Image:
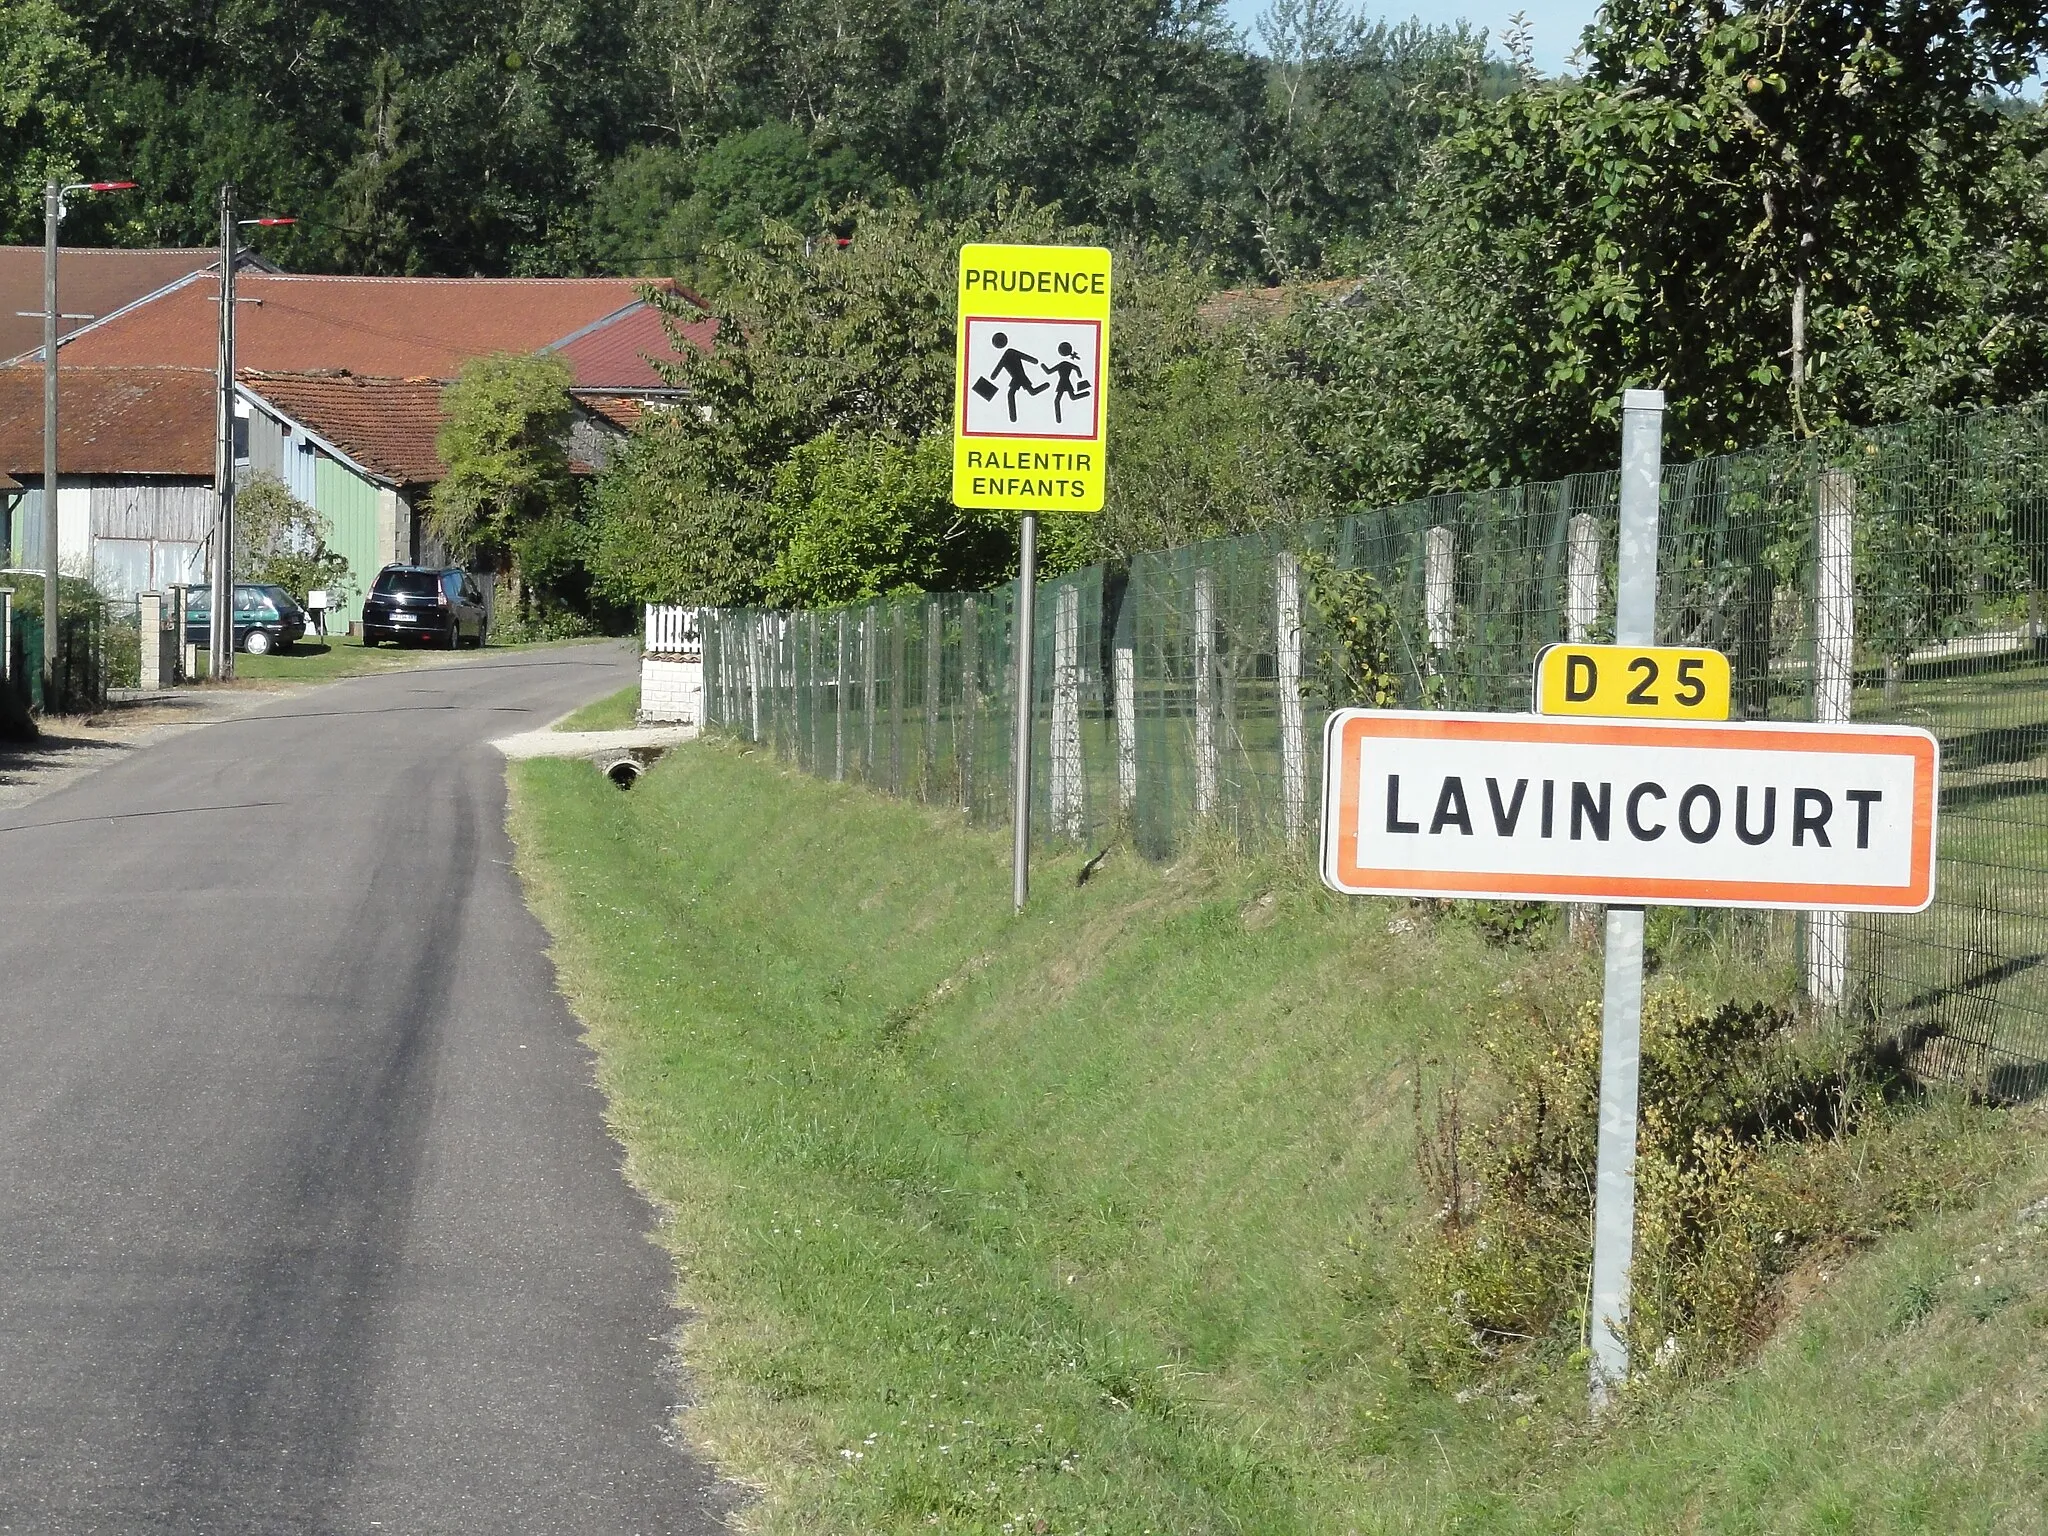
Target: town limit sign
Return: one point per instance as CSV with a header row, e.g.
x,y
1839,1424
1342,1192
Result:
x,y
1763,814
1031,378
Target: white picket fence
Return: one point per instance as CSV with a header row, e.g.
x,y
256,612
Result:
x,y
672,631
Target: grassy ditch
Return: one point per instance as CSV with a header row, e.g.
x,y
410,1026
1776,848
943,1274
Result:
x,y
614,712
1112,1219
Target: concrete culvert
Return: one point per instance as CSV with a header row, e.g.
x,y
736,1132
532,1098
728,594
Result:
x,y
624,772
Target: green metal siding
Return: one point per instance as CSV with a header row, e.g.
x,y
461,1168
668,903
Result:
x,y
349,502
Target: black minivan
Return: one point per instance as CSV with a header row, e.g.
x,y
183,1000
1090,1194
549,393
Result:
x,y
420,603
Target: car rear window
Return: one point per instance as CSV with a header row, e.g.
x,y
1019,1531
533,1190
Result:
x,y
411,583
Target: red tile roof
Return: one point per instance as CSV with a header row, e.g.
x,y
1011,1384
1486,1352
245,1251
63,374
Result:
x,y
110,421
619,351
386,425
378,327
89,282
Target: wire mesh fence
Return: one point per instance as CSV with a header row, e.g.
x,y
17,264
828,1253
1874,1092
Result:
x,y
1886,575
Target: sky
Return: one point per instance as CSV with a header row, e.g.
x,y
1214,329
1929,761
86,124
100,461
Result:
x,y
1555,24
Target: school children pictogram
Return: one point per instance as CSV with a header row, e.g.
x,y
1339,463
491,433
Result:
x,y
1032,378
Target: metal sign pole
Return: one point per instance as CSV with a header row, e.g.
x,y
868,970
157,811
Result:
x,y
1026,634
1621,1022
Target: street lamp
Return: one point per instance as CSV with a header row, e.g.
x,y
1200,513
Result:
x,y
54,194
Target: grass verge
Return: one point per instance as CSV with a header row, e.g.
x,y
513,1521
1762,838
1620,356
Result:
x,y
1096,1221
614,712
339,656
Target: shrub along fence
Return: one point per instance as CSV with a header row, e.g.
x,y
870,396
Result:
x,y
1893,575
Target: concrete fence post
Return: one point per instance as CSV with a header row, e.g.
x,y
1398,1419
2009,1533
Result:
x,y
967,734
1204,657
1439,587
1834,682
839,704
934,671
1582,578
1287,641
869,622
6,634
1581,611
1069,808
1124,664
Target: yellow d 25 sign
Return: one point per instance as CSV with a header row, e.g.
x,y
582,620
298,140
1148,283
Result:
x,y
1031,378
1663,682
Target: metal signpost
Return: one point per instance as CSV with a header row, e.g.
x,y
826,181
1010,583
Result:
x,y
1628,786
1030,419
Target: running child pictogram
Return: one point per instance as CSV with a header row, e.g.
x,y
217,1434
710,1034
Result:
x,y
1031,378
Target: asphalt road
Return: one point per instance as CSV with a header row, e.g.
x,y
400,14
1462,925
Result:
x,y
309,1221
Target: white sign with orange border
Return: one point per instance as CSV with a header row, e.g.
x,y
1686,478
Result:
x,y
1527,807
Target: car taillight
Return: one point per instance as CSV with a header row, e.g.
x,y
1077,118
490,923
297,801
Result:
x,y
442,598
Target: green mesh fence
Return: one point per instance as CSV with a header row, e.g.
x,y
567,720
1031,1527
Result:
x,y
1889,575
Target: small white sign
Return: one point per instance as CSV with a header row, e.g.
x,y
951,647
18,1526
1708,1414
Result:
x,y
1526,806
1032,378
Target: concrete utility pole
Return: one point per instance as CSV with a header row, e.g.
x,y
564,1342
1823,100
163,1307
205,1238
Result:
x,y
53,215
54,193
220,658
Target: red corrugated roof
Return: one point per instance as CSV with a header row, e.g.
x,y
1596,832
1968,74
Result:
x,y
386,425
619,352
110,421
378,327
89,282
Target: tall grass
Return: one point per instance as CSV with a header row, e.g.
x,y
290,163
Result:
x,y
1096,1220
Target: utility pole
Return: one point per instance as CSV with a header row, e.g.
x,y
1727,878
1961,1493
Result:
x,y
220,660
220,657
54,193
53,215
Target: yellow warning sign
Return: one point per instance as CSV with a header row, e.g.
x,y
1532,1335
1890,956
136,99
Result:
x,y
1665,682
1031,378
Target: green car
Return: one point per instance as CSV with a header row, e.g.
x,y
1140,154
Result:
x,y
265,618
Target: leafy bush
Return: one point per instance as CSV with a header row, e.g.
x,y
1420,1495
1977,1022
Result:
x,y
280,541
1760,1144
863,517
1351,635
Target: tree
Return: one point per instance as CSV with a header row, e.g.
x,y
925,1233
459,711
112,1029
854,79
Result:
x,y
280,541
1714,209
1349,107
505,442
857,518
47,76
661,211
813,338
